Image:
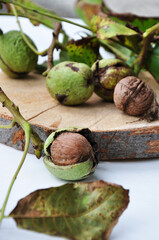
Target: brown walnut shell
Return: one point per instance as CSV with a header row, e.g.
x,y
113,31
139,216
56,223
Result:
x,y
133,96
70,148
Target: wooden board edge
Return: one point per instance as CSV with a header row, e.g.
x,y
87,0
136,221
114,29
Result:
x,y
129,144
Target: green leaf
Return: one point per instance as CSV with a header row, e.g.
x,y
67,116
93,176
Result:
x,y
152,61
95,14
76,211
34,17
106,28
131,42
85,50
120,51
141,22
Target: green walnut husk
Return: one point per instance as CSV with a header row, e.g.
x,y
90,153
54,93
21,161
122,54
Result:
x,y
16,58
70,83
76,171
152,61
106,74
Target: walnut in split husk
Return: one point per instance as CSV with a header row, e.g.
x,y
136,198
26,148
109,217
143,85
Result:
x,y
106,74
71,153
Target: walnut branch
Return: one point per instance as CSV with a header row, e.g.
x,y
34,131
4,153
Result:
x,y
52,47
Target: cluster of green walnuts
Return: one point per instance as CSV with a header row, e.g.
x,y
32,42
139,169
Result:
x,y
70,83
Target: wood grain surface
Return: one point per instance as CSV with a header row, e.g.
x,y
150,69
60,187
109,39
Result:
x,y
119,136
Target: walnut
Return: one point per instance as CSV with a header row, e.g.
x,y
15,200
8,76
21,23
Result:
x,y
70,148
136,98
71,153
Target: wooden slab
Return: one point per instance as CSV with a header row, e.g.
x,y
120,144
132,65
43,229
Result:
x,y
119,136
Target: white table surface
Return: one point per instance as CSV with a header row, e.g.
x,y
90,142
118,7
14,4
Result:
x,y
140,220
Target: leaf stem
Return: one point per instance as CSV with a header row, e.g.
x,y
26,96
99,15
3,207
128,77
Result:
x,y
146,44
8,126
50,15
27,141
18,118
29,134
24,36
37,143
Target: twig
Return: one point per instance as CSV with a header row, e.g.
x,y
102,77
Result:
x,y
52,47
53,44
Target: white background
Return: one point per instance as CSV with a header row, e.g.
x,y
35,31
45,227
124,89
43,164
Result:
x,y
141,219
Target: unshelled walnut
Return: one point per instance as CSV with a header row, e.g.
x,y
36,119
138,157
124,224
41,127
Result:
x,y
106,74
134,97
16,58
70,83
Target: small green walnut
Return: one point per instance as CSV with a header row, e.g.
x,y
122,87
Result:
x,y
71,154
16,58
70,83
106,74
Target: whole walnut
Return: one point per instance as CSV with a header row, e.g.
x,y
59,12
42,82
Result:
x,y
16,58
134,97
70,148
70,83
